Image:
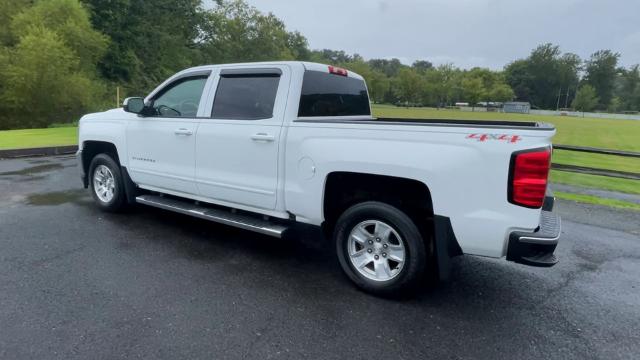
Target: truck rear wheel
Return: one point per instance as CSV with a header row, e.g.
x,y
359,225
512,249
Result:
x,y
380,248
106,183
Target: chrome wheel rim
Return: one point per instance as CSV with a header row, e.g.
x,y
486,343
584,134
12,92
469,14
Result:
x,y
104,184
376,250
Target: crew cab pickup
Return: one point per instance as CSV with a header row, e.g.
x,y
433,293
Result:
x,y
266,146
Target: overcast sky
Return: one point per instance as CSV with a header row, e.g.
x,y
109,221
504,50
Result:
x,y
488,33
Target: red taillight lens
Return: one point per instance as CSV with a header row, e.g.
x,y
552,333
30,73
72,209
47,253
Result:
x,y
528,180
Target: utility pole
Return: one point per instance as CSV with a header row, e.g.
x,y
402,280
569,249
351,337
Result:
x,y
558,102
117,96
566,100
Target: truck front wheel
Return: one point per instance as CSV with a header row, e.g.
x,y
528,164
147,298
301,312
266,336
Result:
x,y
106,183
380,248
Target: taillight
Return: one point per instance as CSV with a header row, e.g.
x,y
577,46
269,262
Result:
x,y
528,177
337,71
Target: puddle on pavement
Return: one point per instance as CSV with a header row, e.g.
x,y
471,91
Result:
x,y
33,170
56,197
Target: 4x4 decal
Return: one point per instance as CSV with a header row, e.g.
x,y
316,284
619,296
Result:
x,y
500,137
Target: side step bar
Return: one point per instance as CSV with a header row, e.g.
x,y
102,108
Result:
x,y
241,221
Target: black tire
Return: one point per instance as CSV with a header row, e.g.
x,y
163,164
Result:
x,y
119,200
415,263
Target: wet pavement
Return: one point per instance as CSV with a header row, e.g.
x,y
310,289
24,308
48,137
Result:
x,y
76,283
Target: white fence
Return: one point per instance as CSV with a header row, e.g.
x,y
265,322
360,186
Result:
x,y
565,113
587,114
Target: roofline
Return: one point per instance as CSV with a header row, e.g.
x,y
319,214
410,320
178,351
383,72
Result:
x,y
304,64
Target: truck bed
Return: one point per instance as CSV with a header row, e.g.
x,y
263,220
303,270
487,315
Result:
x,y
528,125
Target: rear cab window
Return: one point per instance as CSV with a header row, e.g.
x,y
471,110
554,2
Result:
x,y
327,93
246,95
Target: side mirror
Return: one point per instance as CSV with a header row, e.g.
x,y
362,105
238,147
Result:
x,y
133,105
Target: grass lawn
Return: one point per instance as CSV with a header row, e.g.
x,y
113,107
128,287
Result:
x,y
598,201
597,161
599,133
31,138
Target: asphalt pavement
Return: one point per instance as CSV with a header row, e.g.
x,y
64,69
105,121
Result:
x,y
76,283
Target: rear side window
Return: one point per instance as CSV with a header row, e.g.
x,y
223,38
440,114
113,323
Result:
x,y
245,97
325,94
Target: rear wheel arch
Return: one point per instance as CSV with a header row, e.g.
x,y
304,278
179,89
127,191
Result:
x,y
345,189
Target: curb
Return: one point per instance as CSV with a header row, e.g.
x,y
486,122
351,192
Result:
x,y
42,151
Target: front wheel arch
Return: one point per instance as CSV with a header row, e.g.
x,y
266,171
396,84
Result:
x,y
91,148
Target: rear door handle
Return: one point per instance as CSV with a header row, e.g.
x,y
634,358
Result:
x,y
263,137
183,131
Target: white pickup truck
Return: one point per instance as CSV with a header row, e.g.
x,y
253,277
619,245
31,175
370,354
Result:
x,y
264,146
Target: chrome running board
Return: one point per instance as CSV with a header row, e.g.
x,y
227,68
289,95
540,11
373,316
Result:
x,y
230,218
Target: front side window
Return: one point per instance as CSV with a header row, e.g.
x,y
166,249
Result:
x,y
325,94
245,97
180,99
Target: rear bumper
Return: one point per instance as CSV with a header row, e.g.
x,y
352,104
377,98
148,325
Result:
x,y
536,248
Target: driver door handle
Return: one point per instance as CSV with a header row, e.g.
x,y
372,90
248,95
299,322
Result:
x,y
263,137
183,131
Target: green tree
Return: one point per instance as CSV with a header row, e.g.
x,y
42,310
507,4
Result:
x,y
501,93
334,56
615,105
518,77
8,9
233,31
601,70
46,83
586,99
390,68
70,22
473,90
150,40
409,86
299,46
422,66
378,85
543,75
483,84
441,82
48,69
569,66
628,91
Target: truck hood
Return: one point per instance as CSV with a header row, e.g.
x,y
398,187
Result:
x,y
117,113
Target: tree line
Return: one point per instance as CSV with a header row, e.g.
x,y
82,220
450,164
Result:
x,y
62,58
